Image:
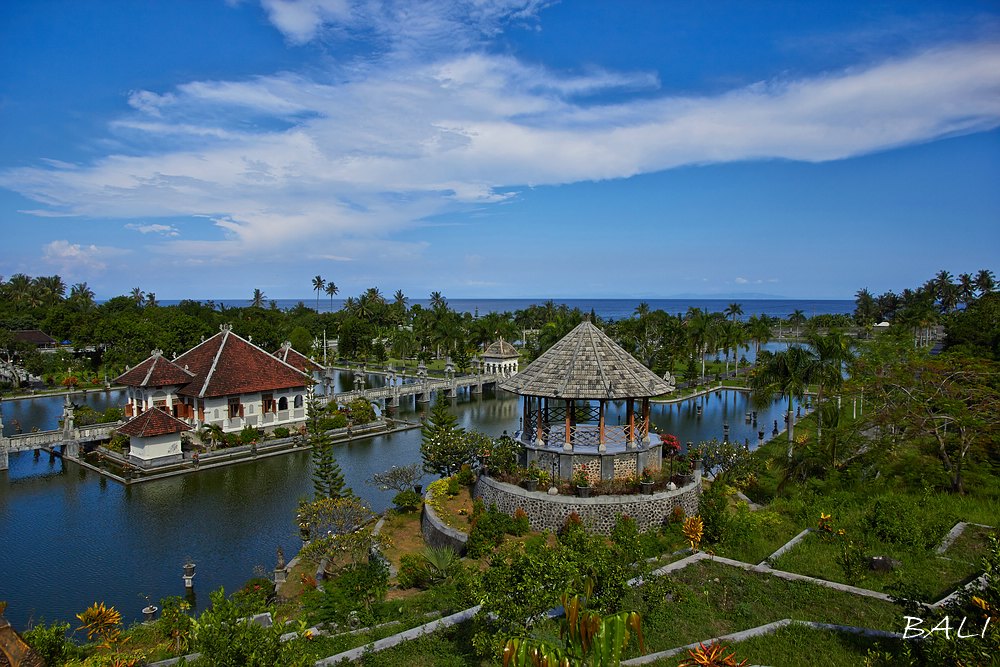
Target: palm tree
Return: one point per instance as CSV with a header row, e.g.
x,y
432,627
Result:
x,y
797,319
642,310
985,281
786,373
966,288
865,308
318,284
734,310
759,331
137,295
831,351
81,294
50,288
437,301
258,299
151,300
332,290
19,288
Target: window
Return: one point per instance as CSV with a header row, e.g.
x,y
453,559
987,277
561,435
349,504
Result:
x,y
298,401
283,403
234,407
267,402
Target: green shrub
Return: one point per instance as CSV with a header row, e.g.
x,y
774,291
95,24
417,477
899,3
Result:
x,y
281,432
904,521
407,501
49,642
454,485
465,476
412,571
354,588
488,531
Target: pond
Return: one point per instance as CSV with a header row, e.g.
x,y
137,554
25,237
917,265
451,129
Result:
x,y
72,538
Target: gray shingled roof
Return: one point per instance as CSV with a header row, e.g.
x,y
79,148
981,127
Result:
x,y
586,363
501,349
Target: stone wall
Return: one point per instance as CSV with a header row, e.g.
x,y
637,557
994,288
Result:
x,y
598,513
438,534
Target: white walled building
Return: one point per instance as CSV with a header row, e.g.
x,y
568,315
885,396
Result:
x,y
154,438
224,380
501,358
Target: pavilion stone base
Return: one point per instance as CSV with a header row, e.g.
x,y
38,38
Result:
x,y
597,466
599,514
157,462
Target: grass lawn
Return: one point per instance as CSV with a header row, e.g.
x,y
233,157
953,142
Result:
x,y
402,532
456,510
793,646
935,576
711,599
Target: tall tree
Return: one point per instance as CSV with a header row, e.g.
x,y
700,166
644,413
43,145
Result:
x,y
985,281
786,373
734,310
318,285
953,401
332,290
831,351
328,479
137,295
443,445
258,299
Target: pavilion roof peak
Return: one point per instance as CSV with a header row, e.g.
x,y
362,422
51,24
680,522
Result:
x,y
586,364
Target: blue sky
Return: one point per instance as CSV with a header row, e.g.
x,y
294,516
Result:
x,y
499,148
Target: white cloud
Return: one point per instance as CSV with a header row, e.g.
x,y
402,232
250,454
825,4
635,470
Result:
x,y
76,259
365,151
740,280
155,228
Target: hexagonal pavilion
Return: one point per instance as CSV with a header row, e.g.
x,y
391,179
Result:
x,y
565,394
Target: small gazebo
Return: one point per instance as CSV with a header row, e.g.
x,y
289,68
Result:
x,y
566,395
500,358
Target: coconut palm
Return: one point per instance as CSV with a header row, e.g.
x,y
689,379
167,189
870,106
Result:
x,y
151,300
332,290
797,319
137,295
50,288
831,351
318,285
786,373
734,310
258,299
985,281
82,295
438,301
759,331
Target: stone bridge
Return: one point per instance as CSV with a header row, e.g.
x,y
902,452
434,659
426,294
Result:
x,y
422,388
69,436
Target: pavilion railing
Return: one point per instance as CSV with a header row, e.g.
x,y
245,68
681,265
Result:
x,y
585,435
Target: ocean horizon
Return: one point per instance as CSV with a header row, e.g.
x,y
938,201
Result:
x,y
608,309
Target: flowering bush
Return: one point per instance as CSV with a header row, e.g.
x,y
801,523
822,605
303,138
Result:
x,y
671,445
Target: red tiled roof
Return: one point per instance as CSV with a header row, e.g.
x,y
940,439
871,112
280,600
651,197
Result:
x,y
156,371
153,422
225,364
290,356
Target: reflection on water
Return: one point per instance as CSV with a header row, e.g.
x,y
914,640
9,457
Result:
x,y
71,538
